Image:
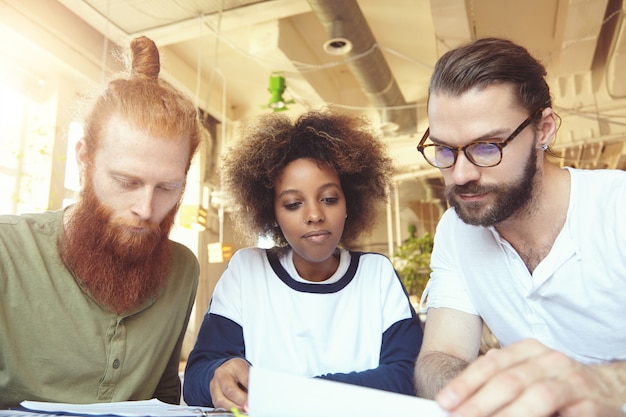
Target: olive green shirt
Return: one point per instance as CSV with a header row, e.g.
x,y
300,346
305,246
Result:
x,y
56,344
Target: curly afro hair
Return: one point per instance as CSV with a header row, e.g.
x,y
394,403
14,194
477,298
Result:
x,y
340,141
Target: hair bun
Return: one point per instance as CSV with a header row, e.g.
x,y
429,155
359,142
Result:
x,y
145,58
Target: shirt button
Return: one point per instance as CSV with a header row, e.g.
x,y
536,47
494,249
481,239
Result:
x,y
116,363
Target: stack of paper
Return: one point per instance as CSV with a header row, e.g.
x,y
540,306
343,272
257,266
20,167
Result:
x,y
273,394
149,408
270,394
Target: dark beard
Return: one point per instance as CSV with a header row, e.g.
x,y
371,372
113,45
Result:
x,y
119,269
509,199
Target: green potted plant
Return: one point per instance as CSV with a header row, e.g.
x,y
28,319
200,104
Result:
x,y
412,262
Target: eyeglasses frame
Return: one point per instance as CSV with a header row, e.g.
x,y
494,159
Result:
x,y
455,151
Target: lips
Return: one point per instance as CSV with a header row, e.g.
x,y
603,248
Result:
x,y
470,197
136,229
316,235
470,191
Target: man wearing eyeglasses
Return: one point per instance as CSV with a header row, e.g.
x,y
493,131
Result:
x,y
534,251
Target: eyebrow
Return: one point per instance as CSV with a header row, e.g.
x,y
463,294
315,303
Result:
x,y
321,188
131,177
495,134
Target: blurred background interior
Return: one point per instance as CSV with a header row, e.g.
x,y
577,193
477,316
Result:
x,y
241,58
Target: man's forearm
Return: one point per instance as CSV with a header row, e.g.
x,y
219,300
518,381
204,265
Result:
x,y
434,370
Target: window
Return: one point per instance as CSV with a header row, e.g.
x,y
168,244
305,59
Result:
x,y
25,159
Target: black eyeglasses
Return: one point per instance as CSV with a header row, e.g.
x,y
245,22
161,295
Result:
x,y
484,153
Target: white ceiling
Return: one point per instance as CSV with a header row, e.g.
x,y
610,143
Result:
x,y
235,45
224,51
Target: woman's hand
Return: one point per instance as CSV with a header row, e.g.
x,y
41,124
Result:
x,y
229,386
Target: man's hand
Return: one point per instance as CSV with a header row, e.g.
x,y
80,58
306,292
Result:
x,y
530,380
229,386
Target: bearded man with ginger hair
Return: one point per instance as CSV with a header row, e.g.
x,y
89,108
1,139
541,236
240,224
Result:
x,y
96,298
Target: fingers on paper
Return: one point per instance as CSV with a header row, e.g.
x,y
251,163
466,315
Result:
x,y
229,386
525,379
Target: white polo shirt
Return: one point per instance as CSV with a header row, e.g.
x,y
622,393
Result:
x,y
574,301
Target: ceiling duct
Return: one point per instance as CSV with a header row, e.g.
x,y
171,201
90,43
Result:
x,y
346,25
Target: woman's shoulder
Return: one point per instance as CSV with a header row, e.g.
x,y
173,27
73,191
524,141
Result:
x,y
249,257
371,259
251,252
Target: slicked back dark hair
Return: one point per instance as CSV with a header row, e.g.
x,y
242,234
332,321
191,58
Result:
x,y
491,61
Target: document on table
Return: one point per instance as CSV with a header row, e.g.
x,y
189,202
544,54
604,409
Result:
x,y
274,394
147,408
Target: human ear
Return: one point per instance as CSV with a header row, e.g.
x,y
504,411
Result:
x,y
547,128
82,159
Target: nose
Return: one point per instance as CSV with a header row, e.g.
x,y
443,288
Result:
x,y
464,171
314,214
143,206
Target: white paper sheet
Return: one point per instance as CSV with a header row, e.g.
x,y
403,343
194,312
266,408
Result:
x,y
148,408
273,394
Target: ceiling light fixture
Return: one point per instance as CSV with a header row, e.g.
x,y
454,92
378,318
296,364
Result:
x,y
387,124
276,89
338,44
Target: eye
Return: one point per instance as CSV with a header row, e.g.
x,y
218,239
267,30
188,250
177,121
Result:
x,y
440,155
123,183
292,206
444,152
329,200
168,188
484,149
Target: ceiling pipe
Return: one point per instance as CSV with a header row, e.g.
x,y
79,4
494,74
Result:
x,y
346,25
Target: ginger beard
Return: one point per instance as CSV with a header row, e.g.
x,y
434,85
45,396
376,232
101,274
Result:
x,y
118,268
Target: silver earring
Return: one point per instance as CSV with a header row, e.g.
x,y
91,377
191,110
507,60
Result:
x,y
544,146
275,224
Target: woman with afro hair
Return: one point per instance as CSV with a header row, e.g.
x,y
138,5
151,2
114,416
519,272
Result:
x,y
308,306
